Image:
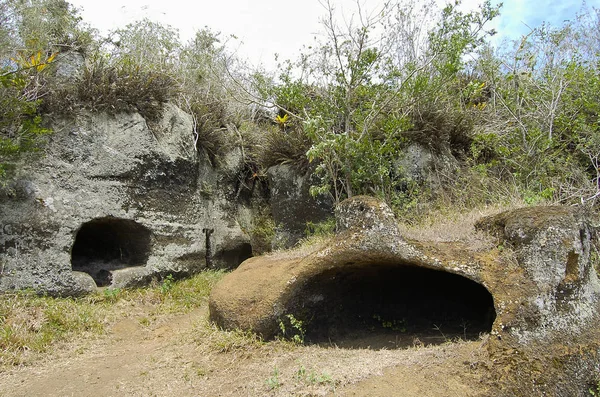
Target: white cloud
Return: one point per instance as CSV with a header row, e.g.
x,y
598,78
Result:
x,y
266,27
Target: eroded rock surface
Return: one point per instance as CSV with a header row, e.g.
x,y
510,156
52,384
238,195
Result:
x,y
101,170
534,290
293,206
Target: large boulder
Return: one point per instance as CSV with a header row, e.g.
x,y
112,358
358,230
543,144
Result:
x,y
552,246
110,193
533,289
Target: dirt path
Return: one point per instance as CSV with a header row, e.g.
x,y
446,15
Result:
x,y
184,356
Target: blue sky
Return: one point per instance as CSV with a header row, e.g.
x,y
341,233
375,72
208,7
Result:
x,y
518,16
266,27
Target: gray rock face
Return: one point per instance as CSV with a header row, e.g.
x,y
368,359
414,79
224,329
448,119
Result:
x,y
419,163
110,194
292,205
553,246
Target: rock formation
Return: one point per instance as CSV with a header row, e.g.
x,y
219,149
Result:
x,y
292,205
533,290
112,201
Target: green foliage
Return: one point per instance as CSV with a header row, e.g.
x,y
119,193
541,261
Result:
x,y
20,122
543,112
320,229
167,284
273,381
262,232
595,389
112,294
392,324
361,105
520,120
31,324
312,377
146,44
30,29
294,331
48,26
203,70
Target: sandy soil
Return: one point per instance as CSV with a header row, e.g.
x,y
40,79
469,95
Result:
x,y
183,355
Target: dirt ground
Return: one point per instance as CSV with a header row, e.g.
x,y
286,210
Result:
x,y
183,355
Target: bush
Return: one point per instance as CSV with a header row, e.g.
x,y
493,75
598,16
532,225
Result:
x,y
282,146
120,87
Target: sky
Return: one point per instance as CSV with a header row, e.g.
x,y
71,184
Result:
x,y
266,27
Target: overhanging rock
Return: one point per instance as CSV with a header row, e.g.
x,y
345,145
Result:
x,y
536,282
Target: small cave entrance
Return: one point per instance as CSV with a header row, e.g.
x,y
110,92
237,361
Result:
x,y
106,244
392,306
232,257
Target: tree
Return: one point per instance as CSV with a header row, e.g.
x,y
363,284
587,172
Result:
x,y
361,89
31,34
543,110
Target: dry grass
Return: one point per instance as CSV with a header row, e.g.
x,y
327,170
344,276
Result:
x,y
31,325
114,88
445,226
304,247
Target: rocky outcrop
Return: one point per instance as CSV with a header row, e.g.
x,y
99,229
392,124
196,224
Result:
x,y
533,289
113,202
552,246
553,287
292,205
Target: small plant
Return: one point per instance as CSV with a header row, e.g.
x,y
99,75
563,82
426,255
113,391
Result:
x,y
319,229
296,327
112,294
167,284
312,378
262,233
394,325
206,190
595,389
273,381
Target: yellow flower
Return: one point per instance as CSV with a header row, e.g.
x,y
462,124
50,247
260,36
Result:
x,y
282,120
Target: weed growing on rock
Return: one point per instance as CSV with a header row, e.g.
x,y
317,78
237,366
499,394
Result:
x,y
320,229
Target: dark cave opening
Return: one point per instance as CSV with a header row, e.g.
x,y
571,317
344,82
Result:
x,y
106,244
391,306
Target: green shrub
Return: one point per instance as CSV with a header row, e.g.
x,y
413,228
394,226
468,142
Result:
x,y
262,233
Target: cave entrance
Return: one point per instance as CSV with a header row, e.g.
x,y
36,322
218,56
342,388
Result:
x,y
106,244
392,306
